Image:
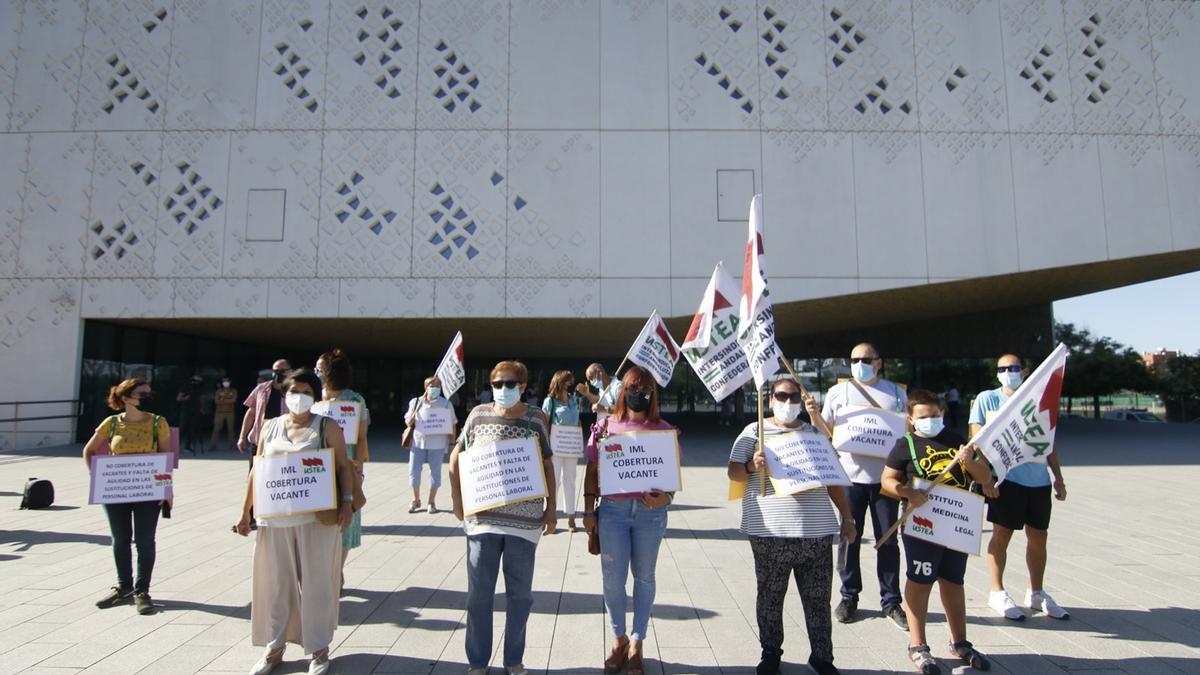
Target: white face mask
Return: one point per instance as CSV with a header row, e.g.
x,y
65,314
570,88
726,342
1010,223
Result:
x,y
435,392
505,397
862,371
298,404
225,383
597,384
1010,380
787,413
929,426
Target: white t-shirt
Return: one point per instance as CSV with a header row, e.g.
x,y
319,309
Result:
x,y
889,396
609,397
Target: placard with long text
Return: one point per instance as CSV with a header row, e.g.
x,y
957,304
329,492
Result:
x,y
500,473
800,461
121,479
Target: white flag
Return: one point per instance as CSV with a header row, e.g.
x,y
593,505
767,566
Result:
x,y
450,371
757,319
655,350
1023,428
711,345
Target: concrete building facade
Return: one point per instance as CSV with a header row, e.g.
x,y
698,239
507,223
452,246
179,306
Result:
x,y
227,167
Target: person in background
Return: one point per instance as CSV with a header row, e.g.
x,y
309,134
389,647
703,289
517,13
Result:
x,y
189,399
925,453
631,526
136,430
224,409
608,390
1023,503
428,448
506,536
789,535
952,404
297,558
333,369
264,403
562,408
867,388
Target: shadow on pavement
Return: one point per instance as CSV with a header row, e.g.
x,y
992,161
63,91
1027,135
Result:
x,y
27,539
1180,625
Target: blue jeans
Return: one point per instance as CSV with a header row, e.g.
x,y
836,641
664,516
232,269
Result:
x,y
884,513
418,458
485,552
630,535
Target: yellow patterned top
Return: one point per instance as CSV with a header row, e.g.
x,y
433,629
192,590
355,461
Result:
x,y
133,438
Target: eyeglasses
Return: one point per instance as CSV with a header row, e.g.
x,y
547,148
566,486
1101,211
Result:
x,y
1008,369
863,359
783,396
505,384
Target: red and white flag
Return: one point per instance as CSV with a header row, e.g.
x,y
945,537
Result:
x,y
451,371
711,346
756,316
655,350
1022,430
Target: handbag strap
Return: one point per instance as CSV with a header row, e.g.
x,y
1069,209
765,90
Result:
x,y
862,390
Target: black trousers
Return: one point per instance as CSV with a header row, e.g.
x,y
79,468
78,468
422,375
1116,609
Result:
x,y
884,512
133,523
810,561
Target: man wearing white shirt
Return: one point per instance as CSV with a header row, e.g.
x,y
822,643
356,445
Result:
x,y
608,390
868,389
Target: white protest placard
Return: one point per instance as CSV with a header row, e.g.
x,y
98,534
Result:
x,y
655,350
640,461
500,473
293,483
345,413
800,461
121,479
864,430
566,440
952,518
434,420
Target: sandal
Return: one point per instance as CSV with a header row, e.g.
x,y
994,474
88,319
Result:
x,y
414,506
432,508
923,659
616,658
966,651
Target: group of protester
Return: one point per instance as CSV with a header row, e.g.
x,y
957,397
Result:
x,y
298,559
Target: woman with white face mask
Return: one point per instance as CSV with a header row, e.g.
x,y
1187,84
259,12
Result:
x,y
504,537
932,450
298,559
433,422
790,535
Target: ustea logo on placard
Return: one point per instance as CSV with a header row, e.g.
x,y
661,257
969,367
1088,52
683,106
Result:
x,y
161,479
313,464
613,451
346,408
922,525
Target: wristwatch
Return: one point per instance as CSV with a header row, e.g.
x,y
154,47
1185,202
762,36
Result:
x,y
348,498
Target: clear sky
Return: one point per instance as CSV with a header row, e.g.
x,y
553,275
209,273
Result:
x,y
1147,316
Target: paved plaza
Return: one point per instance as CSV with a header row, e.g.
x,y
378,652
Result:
x,y
1125,559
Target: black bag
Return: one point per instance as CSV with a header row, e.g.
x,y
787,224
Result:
x,y
39,494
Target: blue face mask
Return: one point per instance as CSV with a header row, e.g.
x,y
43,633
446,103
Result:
x,y
929,426
1010,380
505,397
596,384
435,392
863,372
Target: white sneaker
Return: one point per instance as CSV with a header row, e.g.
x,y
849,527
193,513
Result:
x,y
1004,606
1040,601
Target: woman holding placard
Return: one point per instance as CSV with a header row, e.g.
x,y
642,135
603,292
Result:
x,y
631,525
333,368
790,534
298,556
504,510
134,431
566,437
933,452
432,421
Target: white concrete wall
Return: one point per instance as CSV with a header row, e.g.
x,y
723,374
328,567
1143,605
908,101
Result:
x,y
279,158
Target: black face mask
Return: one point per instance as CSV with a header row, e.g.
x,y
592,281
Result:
x,y
146,403
637,402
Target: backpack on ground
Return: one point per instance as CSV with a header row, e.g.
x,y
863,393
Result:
x,y
39,494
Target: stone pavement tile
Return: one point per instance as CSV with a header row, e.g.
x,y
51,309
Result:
x,y
27,655
223,634
240,656
146,650
188,658
357,660
79,655
692,660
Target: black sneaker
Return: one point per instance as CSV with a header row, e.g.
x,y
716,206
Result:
x,y
822,667
144,604
897,615
769,665
846,610
117,595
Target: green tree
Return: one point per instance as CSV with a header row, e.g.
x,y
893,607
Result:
x,y
1180,387
1100,366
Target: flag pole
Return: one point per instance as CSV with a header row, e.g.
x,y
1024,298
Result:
x,y
617,372
762,478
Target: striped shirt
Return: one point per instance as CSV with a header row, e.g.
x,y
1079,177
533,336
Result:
x,y
807,514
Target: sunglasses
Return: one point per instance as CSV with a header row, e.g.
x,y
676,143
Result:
x,y
640,391
1008,369
863,359
784,397
144,396
505,384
